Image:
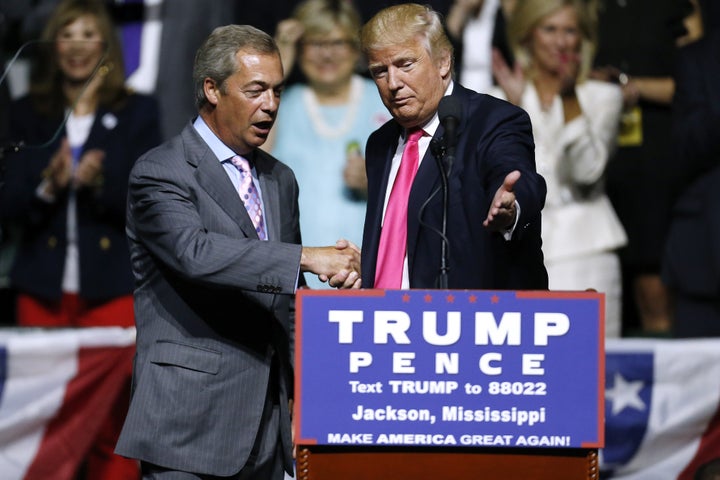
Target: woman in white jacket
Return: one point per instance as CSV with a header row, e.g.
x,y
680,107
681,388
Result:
x,y
575,122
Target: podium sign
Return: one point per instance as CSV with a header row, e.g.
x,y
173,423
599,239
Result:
x,y
450,368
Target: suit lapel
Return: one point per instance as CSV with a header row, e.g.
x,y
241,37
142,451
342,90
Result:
x,y
211,176
270,195
427,179
381,170
104,122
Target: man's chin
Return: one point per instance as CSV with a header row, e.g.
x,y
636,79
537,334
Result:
x,y
406,122
257,141
405,116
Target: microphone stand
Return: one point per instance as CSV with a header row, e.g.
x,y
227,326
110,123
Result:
x,y
440,153
450,113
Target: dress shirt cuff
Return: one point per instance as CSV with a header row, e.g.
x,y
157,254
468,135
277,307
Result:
x,y
507,234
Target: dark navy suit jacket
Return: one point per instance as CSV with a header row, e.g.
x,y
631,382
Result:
x,y
494,138
123,135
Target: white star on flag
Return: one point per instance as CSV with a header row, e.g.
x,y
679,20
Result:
x,y
625,394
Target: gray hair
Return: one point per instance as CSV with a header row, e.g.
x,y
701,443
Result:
x,y
215,59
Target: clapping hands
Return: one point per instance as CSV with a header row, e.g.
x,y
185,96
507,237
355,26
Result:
x,y
61,175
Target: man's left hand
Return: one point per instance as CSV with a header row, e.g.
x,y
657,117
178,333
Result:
x,y
502,212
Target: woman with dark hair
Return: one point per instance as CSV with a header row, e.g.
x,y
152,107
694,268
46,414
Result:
x,y
83,130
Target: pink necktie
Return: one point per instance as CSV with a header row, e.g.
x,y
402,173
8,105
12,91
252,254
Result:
x,y
249,195
393,237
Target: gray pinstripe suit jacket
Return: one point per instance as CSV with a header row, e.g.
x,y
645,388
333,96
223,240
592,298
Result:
x,y
213,304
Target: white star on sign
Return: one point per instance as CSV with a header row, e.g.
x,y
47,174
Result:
x,y
625,394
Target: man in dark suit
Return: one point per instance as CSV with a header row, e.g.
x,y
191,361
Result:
x,y
494,193
212,374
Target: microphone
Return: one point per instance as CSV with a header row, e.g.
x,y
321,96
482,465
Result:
x,y
450,114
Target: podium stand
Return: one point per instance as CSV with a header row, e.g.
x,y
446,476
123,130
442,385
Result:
x,y
358,463
449,385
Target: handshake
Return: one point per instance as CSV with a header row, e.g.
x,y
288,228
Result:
x,y
338,265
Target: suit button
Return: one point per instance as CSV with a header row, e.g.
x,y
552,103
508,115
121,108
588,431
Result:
x,y
52,242
105,243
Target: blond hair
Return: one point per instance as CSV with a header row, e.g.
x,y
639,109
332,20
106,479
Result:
x,y
398,24
529,13
320,17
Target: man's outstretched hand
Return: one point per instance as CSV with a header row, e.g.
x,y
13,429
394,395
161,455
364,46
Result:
x,y
502,212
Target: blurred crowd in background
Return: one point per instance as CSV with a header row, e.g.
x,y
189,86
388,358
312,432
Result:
x,y
626,136
623,95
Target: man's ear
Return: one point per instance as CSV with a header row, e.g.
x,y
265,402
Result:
x,y
445,64
212,92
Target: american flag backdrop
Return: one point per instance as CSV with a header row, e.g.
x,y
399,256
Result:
x,y
662,399
55,388
661,408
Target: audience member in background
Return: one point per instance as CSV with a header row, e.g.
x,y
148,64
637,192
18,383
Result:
x,y
160,38
324,122
691,266
635,50
72,267
481,25
574,122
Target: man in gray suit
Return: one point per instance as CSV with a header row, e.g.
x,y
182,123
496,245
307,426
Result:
x,y
213,302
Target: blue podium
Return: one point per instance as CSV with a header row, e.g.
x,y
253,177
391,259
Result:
x,y
449,384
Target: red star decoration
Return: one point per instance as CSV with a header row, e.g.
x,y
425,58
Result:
x,y
450,298
494,299
472,298
428,298
406,298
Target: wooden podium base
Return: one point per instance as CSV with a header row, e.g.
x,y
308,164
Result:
x,y
359,463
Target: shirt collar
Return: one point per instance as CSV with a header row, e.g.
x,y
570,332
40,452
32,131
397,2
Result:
x,y
431,126
221,151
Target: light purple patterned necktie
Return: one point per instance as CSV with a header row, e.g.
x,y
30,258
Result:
x,y
249,195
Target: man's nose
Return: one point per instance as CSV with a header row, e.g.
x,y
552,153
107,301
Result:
x,y
270,101
394,79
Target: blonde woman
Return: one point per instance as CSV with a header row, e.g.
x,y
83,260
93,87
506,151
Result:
x,y
323,123
575,121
